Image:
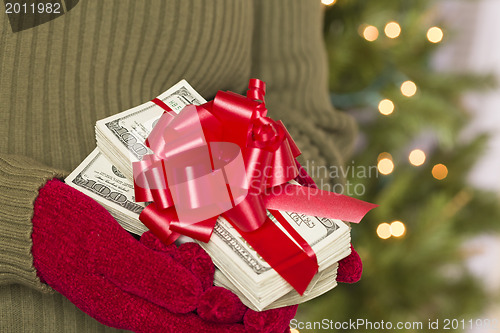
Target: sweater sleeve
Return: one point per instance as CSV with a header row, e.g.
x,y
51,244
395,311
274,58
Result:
x,y
289,54
20,179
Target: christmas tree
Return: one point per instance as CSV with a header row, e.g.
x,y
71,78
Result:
x,y
410,118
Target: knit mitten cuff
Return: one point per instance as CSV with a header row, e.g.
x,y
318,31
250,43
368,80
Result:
x,y
20,180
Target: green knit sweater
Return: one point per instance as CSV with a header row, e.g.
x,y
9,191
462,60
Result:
x,y
102,57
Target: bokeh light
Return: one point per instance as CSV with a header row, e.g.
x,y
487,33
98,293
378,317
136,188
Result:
x,y
439,171
408,88
435,35
370,33
384,230
386,107
398,228
385,166
392,29
417,157
384,155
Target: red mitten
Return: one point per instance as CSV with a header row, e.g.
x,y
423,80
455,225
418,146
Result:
x,y
83,253
350,268
218,304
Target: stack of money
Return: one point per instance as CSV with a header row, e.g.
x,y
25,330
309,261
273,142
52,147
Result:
x,y
98,178
244,272
121,137
106,176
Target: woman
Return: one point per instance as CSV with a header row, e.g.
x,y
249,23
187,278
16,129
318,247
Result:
x,y
59,73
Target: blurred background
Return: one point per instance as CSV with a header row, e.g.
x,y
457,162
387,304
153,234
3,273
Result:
x,y
421,79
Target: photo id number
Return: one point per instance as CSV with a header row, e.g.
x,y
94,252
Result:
x,y
33,8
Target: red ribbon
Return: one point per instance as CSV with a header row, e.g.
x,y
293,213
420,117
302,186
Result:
x,y
226,157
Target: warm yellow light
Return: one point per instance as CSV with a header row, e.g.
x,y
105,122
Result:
x,y
370,33
398,228
408,88
417,157
386,107
293,330
392,29
435,35
384,230
439,171
385,166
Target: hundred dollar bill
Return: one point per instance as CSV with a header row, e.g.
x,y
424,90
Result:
x,y
98,178
121,137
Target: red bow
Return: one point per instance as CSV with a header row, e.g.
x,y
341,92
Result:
x,y
226,157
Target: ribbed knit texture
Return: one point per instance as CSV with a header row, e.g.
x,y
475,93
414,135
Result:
x,y
103,57
20,179
296,72
24,309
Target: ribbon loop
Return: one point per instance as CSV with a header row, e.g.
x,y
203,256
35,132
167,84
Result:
x,y
236,112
